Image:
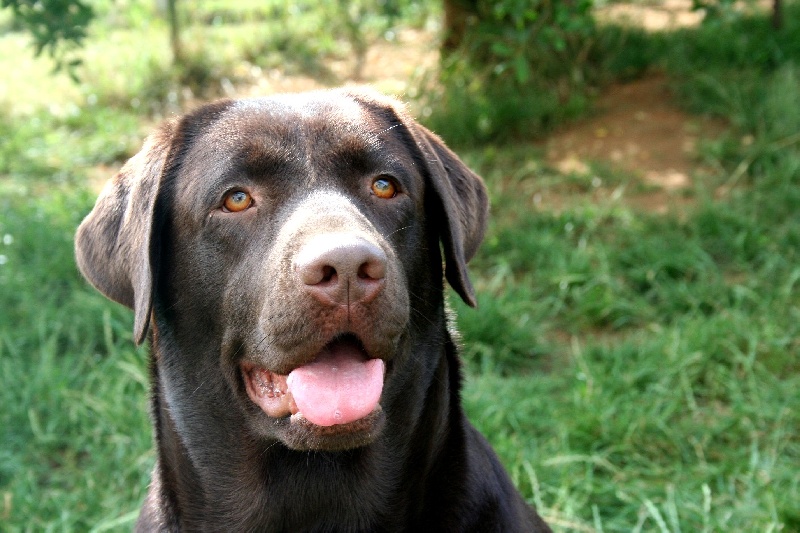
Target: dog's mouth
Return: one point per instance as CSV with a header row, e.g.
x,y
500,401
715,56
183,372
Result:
x,y
339,388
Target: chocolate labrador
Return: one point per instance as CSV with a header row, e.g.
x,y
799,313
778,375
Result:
x,y
284,254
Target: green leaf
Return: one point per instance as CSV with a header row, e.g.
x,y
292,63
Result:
x,y
522,69
501,49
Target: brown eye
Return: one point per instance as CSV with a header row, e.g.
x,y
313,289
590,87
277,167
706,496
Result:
x,y
237,201
383,188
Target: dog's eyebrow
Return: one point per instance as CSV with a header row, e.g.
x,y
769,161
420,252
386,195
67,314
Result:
x,y
354,151
257,157
364,153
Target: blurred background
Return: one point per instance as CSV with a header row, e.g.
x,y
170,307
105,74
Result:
x,y
634,359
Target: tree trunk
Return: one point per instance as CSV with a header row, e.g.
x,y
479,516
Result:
x,y
777,14
174,31
456,13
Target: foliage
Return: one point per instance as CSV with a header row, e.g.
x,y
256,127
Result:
x,y
748,71
57,26
517,38
720,12
529,56
523,67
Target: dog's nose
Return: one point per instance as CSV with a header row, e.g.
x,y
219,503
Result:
x,y
341,269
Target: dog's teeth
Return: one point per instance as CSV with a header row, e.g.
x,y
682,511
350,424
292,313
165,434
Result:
x,y
265,384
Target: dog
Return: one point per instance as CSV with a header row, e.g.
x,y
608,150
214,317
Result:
x,y
286,257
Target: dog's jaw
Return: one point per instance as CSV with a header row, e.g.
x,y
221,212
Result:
x,y
330,403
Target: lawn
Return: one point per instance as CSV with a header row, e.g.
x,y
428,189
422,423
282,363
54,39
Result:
x,y
635,370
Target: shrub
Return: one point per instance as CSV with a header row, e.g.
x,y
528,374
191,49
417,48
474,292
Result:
x,y
522,67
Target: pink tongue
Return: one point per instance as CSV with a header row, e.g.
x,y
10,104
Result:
x,y
338,388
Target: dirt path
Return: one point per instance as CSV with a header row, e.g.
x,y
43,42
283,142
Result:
x,y
637,129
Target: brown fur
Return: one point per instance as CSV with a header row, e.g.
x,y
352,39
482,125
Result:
x,y
219,290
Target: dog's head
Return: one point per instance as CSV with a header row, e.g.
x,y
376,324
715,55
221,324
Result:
x,y
284,250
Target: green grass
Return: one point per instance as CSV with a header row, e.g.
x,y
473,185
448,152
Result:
x,y
635,372
644,368
75,432
643,371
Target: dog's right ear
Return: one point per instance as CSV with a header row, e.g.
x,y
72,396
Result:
x,y
113,245
117,244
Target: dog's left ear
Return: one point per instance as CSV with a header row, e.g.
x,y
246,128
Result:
x,y
465,204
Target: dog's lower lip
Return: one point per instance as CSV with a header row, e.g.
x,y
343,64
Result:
x,y
365,424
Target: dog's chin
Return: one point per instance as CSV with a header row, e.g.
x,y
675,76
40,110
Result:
x,y
297,433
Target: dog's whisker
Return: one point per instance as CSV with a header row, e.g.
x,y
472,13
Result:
x,y
422,315
198,387
398,230
390,128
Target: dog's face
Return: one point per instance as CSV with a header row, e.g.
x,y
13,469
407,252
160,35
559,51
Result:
x,y
293,227
286,248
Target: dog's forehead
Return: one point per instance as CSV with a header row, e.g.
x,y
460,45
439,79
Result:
x,y
295,130
318,115
305,106
313,136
